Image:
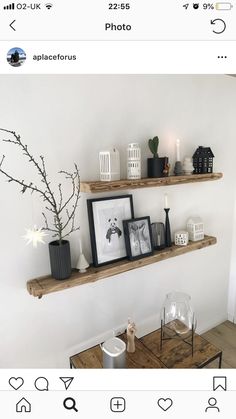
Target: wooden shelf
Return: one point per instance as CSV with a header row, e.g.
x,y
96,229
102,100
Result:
x,y
119,185
46,285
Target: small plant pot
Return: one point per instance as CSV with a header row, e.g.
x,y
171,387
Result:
x,y
60,259
155,166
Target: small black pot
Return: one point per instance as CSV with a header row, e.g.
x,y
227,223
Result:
x,y
155,166
60,259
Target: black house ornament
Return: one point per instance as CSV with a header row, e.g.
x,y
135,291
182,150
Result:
x,y
203,160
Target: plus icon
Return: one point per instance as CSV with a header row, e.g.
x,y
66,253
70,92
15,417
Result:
x,y
117,404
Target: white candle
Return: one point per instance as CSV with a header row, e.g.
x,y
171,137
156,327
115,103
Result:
x,y
80,247
166,201
177,150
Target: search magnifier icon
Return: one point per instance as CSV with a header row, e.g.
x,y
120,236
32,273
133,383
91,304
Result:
x,y
70,404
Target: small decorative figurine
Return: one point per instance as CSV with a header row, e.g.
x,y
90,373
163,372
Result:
x,y
82,263
181,238
131,330
203,160
109,165
166,170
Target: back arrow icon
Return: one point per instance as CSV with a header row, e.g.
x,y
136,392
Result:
x,y
12,24
213,22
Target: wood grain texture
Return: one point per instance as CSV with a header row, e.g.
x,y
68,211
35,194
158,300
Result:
x,y
174,354
118,185
46,284
177,354
224,336
141,358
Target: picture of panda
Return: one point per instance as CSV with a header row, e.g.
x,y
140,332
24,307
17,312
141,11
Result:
x,y
106,219
113,229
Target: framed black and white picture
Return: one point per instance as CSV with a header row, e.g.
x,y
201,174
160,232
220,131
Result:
x,y
138,237
106,216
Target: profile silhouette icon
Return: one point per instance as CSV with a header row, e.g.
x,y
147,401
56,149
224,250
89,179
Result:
x,y
212,405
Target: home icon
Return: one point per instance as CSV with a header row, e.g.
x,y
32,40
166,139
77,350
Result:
x,y
23,406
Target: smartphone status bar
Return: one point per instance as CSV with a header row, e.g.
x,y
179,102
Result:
x,y
129,20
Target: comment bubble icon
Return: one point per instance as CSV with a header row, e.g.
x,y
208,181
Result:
x,y
41,384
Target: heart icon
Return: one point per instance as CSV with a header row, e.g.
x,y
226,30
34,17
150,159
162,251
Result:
x,y
16,383
165,404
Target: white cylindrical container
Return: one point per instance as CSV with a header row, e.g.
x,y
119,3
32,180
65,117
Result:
x,y
188,167
133,161
114,353
109,162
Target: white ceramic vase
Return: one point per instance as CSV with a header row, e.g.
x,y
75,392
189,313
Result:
x,y
188,167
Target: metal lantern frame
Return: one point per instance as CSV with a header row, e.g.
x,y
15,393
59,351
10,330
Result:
x,y
164,336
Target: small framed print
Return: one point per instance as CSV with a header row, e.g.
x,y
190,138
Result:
x,y
138,237
106,216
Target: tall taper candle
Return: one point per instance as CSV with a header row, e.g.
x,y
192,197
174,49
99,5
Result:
x,y
177,150
166,201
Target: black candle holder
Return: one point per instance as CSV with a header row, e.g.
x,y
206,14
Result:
x,y
167,228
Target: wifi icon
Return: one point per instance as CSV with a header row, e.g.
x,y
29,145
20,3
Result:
x,y
48,5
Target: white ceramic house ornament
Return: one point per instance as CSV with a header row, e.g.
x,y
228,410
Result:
x,y
133,161
181,238
109,162
195,228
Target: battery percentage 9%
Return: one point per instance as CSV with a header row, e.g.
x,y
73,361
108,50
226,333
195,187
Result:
x,y
208,6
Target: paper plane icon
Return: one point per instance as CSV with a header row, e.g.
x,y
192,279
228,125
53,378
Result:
x,y
67,381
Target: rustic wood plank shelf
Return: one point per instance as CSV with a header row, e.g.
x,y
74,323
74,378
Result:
x,y
119,185
46,284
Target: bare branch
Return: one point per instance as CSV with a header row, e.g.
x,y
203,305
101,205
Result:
x,y
57,209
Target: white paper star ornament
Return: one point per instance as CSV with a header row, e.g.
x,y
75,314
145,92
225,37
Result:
x,y
35,236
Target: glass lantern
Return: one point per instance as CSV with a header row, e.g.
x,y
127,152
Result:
x,y
177,318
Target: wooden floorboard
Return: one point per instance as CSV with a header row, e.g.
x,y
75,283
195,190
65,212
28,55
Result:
x,y
224,337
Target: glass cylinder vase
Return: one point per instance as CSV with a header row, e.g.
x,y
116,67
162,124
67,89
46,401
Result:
x,y
177,316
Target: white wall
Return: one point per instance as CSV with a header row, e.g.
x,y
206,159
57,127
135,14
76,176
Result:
x,y
71,118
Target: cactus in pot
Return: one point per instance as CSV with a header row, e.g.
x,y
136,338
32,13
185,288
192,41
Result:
x,y
155,165
153,144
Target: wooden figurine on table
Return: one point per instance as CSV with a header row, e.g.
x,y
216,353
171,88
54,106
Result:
x,y
131,329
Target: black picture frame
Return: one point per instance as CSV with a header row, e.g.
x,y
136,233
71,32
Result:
x,y
106,216
138,237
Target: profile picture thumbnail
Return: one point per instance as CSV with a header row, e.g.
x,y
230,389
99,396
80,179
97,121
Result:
x,y
16,57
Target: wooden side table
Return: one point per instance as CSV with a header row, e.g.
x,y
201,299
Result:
x,y
175,354
141,358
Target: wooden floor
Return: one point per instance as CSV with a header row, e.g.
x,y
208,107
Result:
x,y
224,337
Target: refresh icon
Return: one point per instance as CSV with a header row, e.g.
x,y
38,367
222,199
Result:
x,y
221,25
